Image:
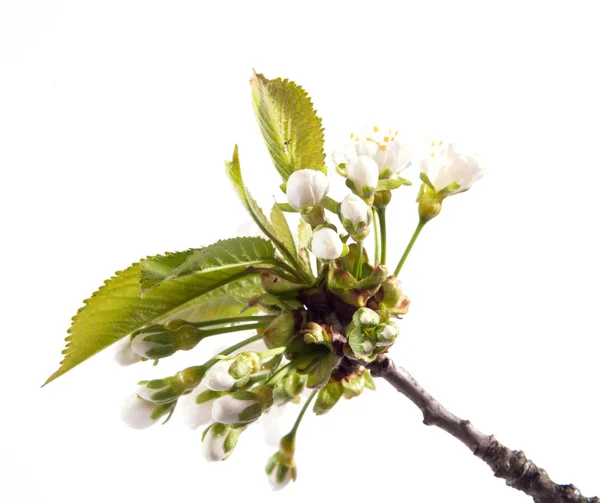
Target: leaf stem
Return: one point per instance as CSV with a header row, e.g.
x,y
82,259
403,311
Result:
x,y
358,259
280,374
330,204
411,243
233,319
383,230
377,235
294,429
236,328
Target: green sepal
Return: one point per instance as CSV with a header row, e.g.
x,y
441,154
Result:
x,y
353,386
369,381
392,183
286,207
320,375
328,396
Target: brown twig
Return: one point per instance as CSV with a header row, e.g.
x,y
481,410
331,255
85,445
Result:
x,y
512,466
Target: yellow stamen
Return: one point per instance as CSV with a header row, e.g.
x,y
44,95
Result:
x,y
432,155
375,128
386,139
351,136
369,138
433,144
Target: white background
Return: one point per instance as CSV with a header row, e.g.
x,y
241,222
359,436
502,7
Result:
x,y
115,119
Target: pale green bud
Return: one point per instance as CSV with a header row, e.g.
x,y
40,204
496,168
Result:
x,y
157,341
289,388
360,343
386,334
365,318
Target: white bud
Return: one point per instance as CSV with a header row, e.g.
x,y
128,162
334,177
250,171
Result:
x,y
218,441
444,164
213,447
142,347
363,172
124,354
365,317
367,347
306,188
233,410
218,377
326,244
280,471
137,412
194,413
355,209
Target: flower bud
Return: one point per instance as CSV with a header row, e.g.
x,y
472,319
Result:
x,y
218,441
139,413
326,244
280,469
196,407
156,341
289,388
242,407
124,354
363,172
360,343
314,333
306,188
355,216
386,334
164,390
365,318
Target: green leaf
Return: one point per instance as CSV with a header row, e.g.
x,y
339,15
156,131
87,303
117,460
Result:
x,y
286,207
156,269
289,124
117,309
235,174
282,229
304,235
228,256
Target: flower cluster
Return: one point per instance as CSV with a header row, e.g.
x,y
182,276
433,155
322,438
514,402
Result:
x,y
320,305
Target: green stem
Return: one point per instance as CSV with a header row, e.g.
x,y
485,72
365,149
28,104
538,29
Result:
x,y
411,243
280,374
293,431
287,272
236,328
234,319
383,230
377,236
202,369
358,260
330,204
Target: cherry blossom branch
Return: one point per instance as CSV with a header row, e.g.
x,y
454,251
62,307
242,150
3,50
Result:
x,y
512,466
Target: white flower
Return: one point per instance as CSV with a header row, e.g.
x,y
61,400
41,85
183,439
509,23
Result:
x,y
137,412
326,244
306,188
218,442
363,172
355,209
194,413
231,409
382,145
218,377
124,354
444,165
